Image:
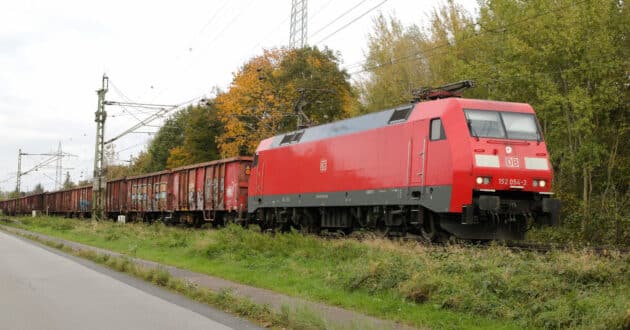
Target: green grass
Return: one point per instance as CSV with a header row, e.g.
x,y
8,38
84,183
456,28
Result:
x,y
436,287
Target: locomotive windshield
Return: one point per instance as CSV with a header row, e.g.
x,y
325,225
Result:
x,y
502,125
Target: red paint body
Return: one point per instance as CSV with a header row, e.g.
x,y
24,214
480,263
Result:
x,y
391,156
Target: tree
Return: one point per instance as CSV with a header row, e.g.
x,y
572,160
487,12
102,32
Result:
x,y
568,59
178,157
315,73
83,183
117,171
169,136
264,94
390,76
38,189
201,129
251,110
67,184
400,59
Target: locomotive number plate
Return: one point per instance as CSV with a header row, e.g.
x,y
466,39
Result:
x,y
513,182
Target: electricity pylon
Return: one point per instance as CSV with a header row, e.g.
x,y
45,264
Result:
x,y
298,30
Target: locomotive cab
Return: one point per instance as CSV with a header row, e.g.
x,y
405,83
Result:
x,y
511,176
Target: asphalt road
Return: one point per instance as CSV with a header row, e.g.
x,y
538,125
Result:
x,y
44,289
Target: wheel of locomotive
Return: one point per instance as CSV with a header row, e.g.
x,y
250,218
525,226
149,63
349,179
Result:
x,y
310,222
429,230
267,220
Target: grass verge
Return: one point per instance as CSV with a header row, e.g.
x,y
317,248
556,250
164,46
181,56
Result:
x,y
438,287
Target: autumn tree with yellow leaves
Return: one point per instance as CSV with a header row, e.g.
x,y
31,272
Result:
x,y
266,91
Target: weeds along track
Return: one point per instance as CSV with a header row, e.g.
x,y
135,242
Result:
x,y
515,246
539,247
546,248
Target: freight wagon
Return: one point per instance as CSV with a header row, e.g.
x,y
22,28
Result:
x,y
72,202
22,205
214,191
208,192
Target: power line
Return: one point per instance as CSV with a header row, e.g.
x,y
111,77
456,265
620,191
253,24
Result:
x,y
216,13
8,179
354,20
190,45
318,11
162,90
338,18
130,147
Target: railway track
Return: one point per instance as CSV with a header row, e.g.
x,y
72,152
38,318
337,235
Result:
x,y
546,248
515,246
512,245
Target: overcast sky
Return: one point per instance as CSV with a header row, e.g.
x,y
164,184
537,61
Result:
x,y
53,54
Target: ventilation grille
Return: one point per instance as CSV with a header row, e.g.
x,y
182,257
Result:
x,y
291,138
400,115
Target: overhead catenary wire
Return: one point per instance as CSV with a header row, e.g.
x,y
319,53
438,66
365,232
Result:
x,y
160,114
8,179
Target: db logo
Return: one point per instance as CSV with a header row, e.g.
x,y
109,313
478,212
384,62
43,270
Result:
x,y
512,162
323,165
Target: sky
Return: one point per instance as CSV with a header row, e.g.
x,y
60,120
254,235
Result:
x,y
54,53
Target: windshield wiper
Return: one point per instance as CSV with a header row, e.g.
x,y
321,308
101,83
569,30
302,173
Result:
x,y
472,130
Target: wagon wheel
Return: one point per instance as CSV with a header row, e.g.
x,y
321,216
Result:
x,y
428,230
228,219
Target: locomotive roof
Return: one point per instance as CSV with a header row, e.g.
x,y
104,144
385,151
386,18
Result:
x,y
383,118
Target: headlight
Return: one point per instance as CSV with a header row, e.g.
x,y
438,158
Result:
x,y
542,183
479,180
535,183
486,180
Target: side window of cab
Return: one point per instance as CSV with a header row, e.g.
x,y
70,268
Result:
x,y
437,130
255,162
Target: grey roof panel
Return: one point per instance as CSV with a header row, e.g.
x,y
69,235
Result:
x,y
342,127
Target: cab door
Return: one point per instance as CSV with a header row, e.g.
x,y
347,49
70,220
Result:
x,y
438,155
417,152
258,171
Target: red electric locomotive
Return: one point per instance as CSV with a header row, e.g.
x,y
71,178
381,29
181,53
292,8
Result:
x,y
475,169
